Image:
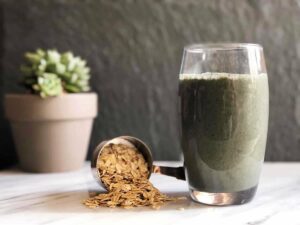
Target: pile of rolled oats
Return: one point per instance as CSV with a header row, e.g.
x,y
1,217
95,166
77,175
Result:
x,y
123,170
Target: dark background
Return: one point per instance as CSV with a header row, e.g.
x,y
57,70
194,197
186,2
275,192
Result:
x,y
134,49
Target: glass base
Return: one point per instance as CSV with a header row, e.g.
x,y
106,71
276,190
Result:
x,y
231,198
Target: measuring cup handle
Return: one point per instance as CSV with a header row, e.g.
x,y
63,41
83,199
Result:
x,y
177,172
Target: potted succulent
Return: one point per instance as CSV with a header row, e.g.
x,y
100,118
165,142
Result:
x,y
52,124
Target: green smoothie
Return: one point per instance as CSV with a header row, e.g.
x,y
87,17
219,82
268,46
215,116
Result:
x,y
224,120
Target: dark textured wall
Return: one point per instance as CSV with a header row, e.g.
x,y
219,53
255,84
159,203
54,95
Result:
x,y
134,49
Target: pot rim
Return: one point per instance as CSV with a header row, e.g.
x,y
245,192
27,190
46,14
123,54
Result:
x,y
10,95
33,108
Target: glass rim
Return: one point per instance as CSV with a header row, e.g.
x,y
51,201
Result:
x,y
200,47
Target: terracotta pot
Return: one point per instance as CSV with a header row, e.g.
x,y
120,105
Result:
x,y
51,135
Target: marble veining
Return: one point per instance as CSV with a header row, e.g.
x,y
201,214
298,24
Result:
x,y
27,198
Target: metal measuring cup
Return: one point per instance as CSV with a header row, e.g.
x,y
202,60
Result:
x,y
177,172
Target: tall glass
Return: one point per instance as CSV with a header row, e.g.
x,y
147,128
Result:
x,y
224,107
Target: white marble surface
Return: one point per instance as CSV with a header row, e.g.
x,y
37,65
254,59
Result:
x,y
56,199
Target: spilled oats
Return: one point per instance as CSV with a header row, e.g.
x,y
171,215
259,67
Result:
x,y
124,172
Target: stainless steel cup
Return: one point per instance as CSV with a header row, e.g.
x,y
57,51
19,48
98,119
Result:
x,y
177,172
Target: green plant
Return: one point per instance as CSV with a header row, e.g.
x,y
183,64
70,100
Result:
x,y
50,73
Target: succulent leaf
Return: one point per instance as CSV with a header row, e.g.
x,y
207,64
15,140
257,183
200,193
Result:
x,y
48,85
